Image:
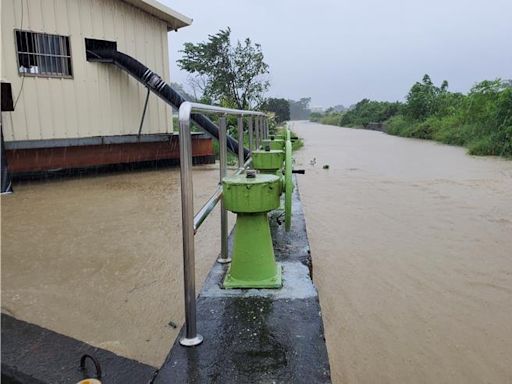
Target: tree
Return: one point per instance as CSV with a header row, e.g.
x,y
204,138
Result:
x,y
281,108
228,75
299,110
423,99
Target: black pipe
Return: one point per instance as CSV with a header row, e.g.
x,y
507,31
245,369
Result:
x,y
155,83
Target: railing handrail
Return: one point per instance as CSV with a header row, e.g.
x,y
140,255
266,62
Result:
x,y
188,107
191,222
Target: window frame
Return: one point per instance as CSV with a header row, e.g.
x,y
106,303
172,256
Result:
x,y
43,75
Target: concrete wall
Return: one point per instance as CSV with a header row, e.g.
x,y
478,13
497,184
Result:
x,y
100,100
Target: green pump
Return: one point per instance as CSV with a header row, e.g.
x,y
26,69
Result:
x,y
269,160
251,196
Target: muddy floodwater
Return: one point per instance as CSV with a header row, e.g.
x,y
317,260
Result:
x,y
412,253
99,258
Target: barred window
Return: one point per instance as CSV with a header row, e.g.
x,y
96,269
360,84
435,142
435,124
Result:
x,y
42,54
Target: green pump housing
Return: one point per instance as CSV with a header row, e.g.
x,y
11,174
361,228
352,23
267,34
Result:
x,y
268,161
278,144
251,196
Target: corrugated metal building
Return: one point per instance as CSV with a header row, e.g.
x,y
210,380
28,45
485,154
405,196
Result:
x,y
61,99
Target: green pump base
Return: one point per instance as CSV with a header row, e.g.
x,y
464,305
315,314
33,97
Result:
x,y
253,263
272,283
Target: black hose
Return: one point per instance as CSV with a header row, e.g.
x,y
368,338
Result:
x,y
158,86
97,365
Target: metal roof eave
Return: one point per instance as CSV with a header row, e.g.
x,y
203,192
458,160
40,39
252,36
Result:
x,y
174,20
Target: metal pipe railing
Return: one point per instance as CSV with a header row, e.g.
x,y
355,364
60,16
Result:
x,y
190,222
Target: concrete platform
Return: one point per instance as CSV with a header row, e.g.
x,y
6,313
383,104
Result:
x,y
258,336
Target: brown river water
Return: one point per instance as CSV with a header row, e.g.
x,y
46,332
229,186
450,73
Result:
x,y
411,245
99,258
412,254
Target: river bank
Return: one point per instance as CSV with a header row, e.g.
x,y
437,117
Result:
x,y
480,120
412,256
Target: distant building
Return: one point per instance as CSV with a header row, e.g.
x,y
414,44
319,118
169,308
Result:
x,y
70,112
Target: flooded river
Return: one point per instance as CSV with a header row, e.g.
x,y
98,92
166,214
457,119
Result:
x,y
411,245
99,258
412,252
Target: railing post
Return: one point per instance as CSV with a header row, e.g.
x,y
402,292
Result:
x,y
223,154
257,129
240,141
251,139
187,221
262,132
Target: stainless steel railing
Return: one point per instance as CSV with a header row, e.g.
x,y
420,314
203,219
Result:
x,y
257,131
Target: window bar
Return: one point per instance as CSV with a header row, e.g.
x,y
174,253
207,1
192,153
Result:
x,y
37,50
53,59
61,58
56,58
46,49
41,60
65,58
30,59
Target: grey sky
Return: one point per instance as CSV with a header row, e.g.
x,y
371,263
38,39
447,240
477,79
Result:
x,y
338,52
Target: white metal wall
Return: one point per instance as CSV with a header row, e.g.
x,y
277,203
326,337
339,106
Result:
x,y
100,100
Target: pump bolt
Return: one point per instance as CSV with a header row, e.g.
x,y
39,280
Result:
x,y
267,148
251,173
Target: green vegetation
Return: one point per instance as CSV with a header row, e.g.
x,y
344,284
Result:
x,y
297,142
280,108
367,111
480,120
226,74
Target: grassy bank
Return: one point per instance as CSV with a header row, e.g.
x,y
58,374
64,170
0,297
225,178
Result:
x,y
480,120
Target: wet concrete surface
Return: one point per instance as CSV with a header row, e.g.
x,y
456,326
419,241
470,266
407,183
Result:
x,y
412,245
258,336
99,258
35,355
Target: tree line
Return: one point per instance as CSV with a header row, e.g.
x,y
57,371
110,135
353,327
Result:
x,y
480,120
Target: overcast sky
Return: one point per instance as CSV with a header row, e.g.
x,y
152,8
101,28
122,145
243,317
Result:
x,y
340,51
